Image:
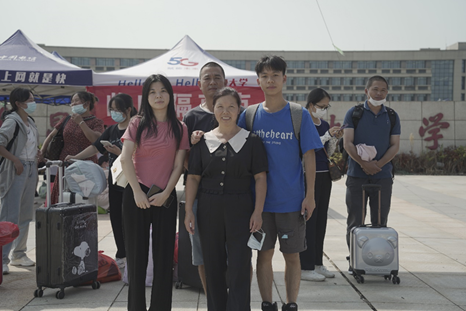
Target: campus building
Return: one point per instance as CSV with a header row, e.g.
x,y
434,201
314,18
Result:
x,y
423,75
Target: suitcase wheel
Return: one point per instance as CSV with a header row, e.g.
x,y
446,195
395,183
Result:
x,y
38,292
396,279
359,278
60,294
95,285
179,285
387,277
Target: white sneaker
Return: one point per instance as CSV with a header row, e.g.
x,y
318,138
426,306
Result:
x,y
6,270
323,270
312,275
23,261
121,262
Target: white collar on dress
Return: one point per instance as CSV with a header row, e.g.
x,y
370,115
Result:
x,y
236,142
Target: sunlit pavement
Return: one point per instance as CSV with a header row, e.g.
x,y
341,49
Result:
x,y
429,213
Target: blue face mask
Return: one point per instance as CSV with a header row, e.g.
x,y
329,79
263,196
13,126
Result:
x,y
79,109
117,116
31,107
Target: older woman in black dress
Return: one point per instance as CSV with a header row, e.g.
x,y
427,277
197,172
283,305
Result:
x,y
222,167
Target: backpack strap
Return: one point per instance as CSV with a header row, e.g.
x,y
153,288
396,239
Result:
x,y
10,143
250,115
357,114
392,117
296,118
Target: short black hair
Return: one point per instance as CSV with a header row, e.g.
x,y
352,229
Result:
x,y
273,62
212,64
375,78
315,96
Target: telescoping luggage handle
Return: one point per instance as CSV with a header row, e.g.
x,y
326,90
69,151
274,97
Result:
x,y
379,188
48,165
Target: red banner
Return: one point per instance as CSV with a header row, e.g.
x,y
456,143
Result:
x,y
186,98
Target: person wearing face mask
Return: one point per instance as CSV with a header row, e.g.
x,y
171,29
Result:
x,y
19,139
82,130
312,268
374,129
121,109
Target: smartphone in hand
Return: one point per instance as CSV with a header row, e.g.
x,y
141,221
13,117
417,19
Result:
x,y
106,143
154,190
343,126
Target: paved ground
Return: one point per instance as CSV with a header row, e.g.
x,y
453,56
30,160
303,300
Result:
x,y
429,213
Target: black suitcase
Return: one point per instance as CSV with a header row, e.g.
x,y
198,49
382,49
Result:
x,y
66,243
187,273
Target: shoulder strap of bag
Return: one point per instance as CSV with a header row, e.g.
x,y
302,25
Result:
x,y
250,115
10,143
296,118
64,123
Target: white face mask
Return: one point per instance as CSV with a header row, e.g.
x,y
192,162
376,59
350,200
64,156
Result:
x,y
319,114
254,242
377,102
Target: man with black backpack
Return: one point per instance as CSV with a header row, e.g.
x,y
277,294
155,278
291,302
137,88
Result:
x,y
372,124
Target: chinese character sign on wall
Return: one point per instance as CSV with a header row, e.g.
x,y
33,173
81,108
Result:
x,y
432,126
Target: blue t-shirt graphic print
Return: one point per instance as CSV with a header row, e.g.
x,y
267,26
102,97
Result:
x,y
285,180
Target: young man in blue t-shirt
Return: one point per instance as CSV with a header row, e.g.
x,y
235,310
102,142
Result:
x,y
373,129
288,204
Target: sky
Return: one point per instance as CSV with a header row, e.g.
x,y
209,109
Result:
x,y
289,25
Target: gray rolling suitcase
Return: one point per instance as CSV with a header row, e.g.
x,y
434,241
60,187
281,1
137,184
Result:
x,y
374,249
66,243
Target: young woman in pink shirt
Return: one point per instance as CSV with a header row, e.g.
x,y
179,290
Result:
x,y
154,148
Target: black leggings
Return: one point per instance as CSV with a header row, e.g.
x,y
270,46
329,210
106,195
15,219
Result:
x,y
317,224
137,225
115,200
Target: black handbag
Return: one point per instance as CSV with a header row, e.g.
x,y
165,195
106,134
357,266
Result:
x,y
334,170
56,145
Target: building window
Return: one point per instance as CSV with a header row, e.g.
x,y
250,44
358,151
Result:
x,y
289,97
342,65
395,97
324,81
360,97
290,81
408,97
464,65
80,61
301,97
346,97
347,81
463,82
421,97
295,64
312,81
395,81
128,62
422,81
105,62
415,64
366,65
388,64
359,81
442,80
318,65
409,81
462,97
336,97
240,64
300,81
336,81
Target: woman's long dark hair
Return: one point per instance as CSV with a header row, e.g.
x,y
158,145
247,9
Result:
x,y
19,94
148,120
